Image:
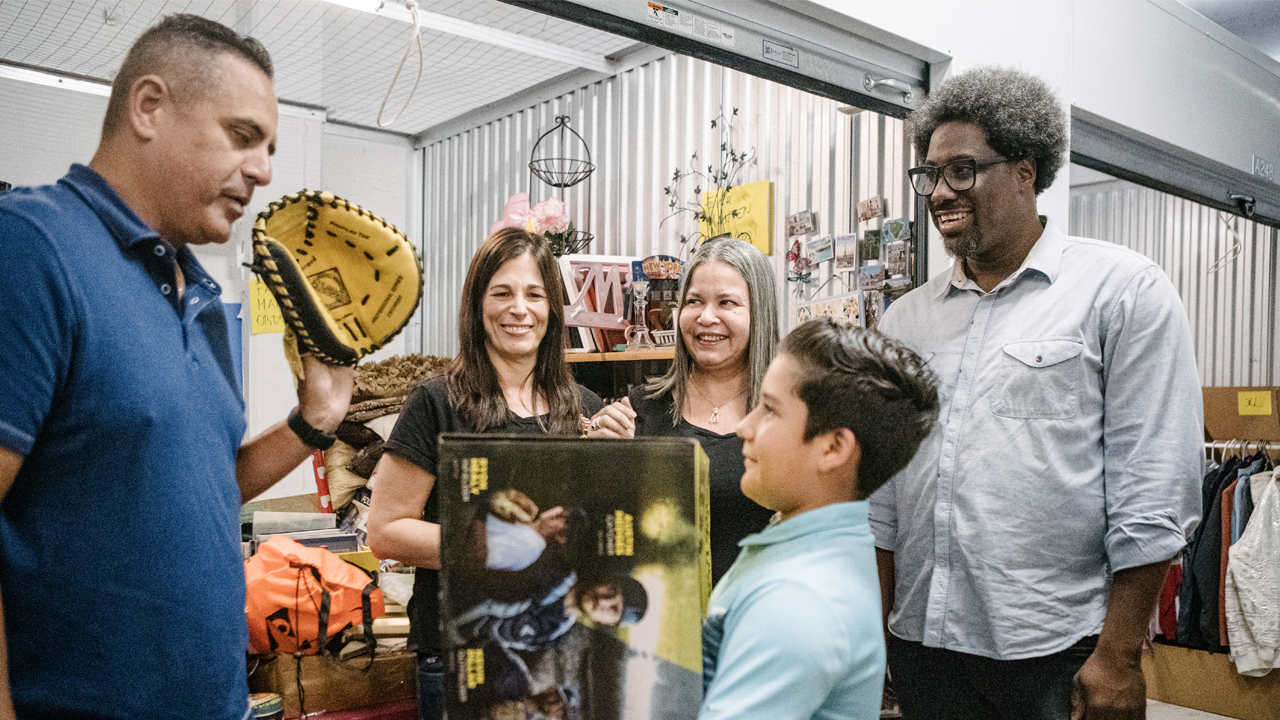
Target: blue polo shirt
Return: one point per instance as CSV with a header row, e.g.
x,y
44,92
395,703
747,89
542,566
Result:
x,y
793,629
120,561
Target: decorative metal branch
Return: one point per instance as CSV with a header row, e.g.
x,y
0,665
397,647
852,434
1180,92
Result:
x,y
717,211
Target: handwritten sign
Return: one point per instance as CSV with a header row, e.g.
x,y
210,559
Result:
x,y
264,313
1254,402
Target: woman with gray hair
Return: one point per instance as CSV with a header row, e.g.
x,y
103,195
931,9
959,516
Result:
x,y
728,322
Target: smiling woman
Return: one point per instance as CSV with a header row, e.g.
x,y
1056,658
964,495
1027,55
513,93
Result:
x,y
728,329
509,376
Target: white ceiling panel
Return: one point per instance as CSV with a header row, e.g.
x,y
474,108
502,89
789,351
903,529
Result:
x,y
326,55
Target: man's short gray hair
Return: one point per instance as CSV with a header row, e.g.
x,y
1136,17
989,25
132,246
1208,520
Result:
x,y
1018,111
180,48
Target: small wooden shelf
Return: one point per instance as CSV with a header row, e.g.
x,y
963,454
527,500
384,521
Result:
x,y
665,353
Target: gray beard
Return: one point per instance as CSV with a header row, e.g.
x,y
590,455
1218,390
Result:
x,y
964,247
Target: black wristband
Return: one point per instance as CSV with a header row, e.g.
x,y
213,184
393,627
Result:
x,y
310,436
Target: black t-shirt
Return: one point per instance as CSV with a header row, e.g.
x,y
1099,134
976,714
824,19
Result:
x,y
426,414
733,515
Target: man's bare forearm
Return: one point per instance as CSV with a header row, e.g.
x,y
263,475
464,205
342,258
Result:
x,y
1131,602
886,568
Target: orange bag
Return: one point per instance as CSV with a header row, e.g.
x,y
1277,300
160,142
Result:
x,y
298,597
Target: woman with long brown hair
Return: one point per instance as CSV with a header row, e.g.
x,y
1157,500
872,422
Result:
x,y
509,376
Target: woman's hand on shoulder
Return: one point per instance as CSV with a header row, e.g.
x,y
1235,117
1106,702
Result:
x,y
617,420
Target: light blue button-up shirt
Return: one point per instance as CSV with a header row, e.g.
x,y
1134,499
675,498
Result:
x,y
1068,446
793,629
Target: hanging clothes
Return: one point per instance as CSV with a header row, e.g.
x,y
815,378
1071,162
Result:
x,y
1168,617
1198,601
1253,585
1228,501
1237,513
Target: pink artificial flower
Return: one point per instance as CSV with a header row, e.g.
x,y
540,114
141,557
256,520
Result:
x,y
515,214
549,216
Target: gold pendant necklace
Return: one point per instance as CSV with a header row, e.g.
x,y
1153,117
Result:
x,y
715,406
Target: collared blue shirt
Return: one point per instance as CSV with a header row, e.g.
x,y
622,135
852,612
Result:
x,y
1067,447
120,556
793,628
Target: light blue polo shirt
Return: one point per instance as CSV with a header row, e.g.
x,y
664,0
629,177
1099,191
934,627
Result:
x,y
793,629
120,560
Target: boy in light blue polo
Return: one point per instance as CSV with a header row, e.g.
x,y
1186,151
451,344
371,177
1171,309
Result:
x,y
794,628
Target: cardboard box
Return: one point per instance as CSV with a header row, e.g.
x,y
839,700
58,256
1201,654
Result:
x,y
331,685
1242,413
1209,682
633,530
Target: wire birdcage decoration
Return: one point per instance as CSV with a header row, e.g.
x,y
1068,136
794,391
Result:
x,y
562,159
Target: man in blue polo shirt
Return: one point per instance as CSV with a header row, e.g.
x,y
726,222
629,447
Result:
x,y
121,464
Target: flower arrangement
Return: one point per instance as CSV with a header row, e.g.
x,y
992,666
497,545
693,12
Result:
x,y
548,218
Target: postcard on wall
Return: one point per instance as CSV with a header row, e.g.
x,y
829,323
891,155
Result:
x,y
871,276
821,250
873,306
846,252
897,229
872,207
841,308
869,247
896,255
802,223
574,576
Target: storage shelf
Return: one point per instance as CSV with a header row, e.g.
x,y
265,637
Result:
x,y
665,353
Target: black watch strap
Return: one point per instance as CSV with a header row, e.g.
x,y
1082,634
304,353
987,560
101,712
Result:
x,y
310,436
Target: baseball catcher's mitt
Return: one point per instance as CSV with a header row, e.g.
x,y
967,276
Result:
x,y
347,281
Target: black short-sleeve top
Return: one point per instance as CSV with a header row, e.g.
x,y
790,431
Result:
x,y
733,515
425,415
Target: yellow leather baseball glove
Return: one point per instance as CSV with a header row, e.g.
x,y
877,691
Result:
x,y
347,281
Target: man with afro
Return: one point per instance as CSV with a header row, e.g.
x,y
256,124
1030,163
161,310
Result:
x,y
1022,551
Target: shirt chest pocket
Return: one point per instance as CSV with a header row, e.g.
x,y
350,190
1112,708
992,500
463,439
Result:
x,y
1039,379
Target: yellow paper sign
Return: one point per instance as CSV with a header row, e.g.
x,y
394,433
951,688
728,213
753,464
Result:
x,y
747,211
1254,402
264,313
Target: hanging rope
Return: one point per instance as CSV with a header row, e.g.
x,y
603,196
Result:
x,y
412,5
1237,245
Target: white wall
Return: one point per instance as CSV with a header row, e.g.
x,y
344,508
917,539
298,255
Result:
x,y
48,128
1151,65
44,130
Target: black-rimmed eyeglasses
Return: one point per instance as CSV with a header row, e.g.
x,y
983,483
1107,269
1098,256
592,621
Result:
x,y
960,175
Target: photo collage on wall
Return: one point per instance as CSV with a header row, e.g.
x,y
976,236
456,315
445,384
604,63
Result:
x,y
872,269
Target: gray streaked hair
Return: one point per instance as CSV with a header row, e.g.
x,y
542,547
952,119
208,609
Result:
x,y
1018,111
762,340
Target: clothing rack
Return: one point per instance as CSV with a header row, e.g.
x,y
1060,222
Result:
x,y
1224,448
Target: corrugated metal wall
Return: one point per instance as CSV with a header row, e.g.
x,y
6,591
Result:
x,y
640,126
1232,308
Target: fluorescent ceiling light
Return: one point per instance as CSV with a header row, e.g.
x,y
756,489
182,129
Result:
x,y
43,78
38,77
395,10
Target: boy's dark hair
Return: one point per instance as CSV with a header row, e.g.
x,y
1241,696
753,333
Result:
x,y
1018,111
180,47
874,386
